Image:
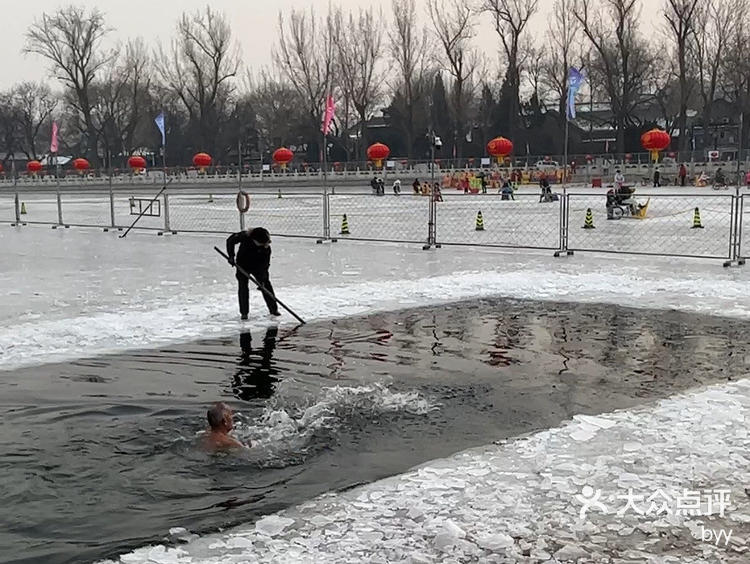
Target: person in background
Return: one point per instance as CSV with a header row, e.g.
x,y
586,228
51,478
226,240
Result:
x,y
507,191
683,174
747,178
657,178
397,187
254,257
220,423
436,193
619,179
719,179
483,179
415,186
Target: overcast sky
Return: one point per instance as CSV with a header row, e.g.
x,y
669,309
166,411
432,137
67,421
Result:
x,y
253,24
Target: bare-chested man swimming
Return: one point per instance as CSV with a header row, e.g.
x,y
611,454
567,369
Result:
x,y
220,423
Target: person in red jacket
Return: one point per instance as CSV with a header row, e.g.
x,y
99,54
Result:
x,y
683,174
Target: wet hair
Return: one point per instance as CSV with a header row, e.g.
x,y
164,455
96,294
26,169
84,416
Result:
x,y
215,415
260,235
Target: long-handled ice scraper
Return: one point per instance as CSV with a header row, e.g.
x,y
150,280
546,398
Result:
x,y
261,288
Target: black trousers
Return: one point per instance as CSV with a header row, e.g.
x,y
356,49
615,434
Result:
x,y
243,292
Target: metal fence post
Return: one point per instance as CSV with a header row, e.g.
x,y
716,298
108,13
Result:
x,y
111,199
166,212
59,200
564,224
735,231
17,210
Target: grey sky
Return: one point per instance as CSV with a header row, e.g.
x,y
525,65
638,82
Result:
x,y
253,23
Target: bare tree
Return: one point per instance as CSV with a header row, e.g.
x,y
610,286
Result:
x,y
34,104
359,50
279,110
199,68
9,134
563,32
622,61
122,97
305,56
70,39
409,46
453,24
510,19
708,48
681,17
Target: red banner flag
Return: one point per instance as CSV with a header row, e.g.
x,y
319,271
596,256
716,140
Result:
x,y
53,145
328,116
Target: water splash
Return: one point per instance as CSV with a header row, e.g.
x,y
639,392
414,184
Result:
x,y
290,428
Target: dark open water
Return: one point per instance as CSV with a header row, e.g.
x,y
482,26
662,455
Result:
x,y
98,456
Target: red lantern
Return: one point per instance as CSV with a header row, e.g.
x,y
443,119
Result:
x,y
34,167
500,147
282,156
378,152
81,164
202,160
654,141
137,163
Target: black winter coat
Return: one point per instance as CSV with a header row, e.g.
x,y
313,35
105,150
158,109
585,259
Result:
x,y
253,258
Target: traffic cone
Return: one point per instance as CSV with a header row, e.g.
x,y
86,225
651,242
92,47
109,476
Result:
x,y
23,208
697,219
480,221
345,226
589,222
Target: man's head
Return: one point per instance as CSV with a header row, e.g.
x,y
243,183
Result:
x,y
220,417
261,237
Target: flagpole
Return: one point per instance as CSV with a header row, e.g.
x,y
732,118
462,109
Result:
x,y
565,158
164,147
326,221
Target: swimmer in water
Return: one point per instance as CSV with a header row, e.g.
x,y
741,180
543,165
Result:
x,y
220,423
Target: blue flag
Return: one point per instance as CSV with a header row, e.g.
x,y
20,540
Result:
x,y
159,121
575,81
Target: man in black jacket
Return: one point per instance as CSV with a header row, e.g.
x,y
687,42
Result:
x,y
255,258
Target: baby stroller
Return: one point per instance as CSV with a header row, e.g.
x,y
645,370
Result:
x,y
620,203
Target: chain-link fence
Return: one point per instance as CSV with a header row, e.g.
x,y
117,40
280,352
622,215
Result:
x,y
705,225
513,220
396,218
290,215
667,225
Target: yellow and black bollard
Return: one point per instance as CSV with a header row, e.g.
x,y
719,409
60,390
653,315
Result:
x,y
589,222
23,208
480,221
345,226
697,219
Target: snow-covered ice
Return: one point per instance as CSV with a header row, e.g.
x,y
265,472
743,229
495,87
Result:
x,y
71,293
